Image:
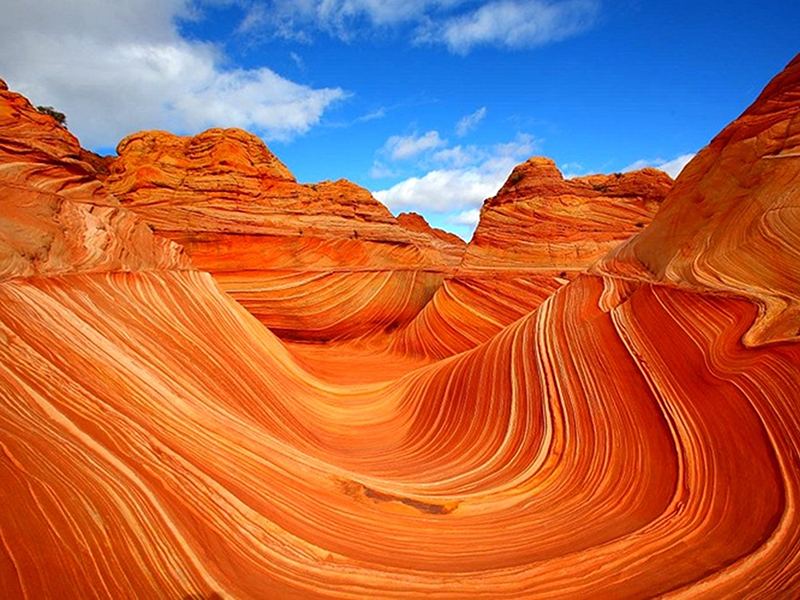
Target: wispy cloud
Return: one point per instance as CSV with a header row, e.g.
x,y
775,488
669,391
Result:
x,y
470,122
372,116
459,25
672,167
298,60
381,170
514,24
115,68
403,147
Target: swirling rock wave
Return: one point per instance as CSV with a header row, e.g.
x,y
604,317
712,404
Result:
x,y
621,440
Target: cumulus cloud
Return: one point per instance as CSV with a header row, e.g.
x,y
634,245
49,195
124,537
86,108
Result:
x,y
457,24
441,190
672,167
470,122
402,147
464,179
467,217
115,68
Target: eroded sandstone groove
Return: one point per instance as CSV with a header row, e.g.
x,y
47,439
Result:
x,y
636,434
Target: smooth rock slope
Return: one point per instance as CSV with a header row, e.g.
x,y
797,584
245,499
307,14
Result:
x,y
621,440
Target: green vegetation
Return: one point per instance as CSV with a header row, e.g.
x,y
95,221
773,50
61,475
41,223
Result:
x,y
60,117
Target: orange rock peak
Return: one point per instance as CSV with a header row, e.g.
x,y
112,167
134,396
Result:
x,y
729,223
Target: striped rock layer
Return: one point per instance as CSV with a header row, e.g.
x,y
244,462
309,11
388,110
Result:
x,y
539,232
622,440
56,217
313,262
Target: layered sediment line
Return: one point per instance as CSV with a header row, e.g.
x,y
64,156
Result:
x,y
240,215
55,216
624,439
539,232
730,224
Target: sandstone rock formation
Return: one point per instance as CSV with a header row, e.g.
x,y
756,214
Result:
x,y
450,246
312,262
731,225
55,217
539,232
157,441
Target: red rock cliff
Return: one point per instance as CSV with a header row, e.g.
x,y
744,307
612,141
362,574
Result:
x,y
313,262
536,234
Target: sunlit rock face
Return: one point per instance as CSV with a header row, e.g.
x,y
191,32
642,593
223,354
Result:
x,y
313,262
622,440
539,232
449,245
732,223
55,217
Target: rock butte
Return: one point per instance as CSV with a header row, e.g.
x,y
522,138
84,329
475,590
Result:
x,y
635,435
313,262
536,234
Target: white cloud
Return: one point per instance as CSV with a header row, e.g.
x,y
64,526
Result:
x,y
675,166
441,190
371,116
460,156
115,68
458,191
403,147
470,122
298,60
467,217
514,24
291,19
571,170
456,24
671,167
380,170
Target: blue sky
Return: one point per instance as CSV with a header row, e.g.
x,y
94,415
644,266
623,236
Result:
x,y
427,103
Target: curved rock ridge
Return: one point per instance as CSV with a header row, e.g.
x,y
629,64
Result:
x,y
539,232
157,441
56,217
731,222
620,441
449,245
240,215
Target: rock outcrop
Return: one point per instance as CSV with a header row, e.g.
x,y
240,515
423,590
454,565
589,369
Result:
x,y
55,216
730,225
449,245
539,232
539,220
312,262
621,440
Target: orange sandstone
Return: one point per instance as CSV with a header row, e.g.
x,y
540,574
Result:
x,y
730,223
449,245
621,440
313,262
55,216
536,234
